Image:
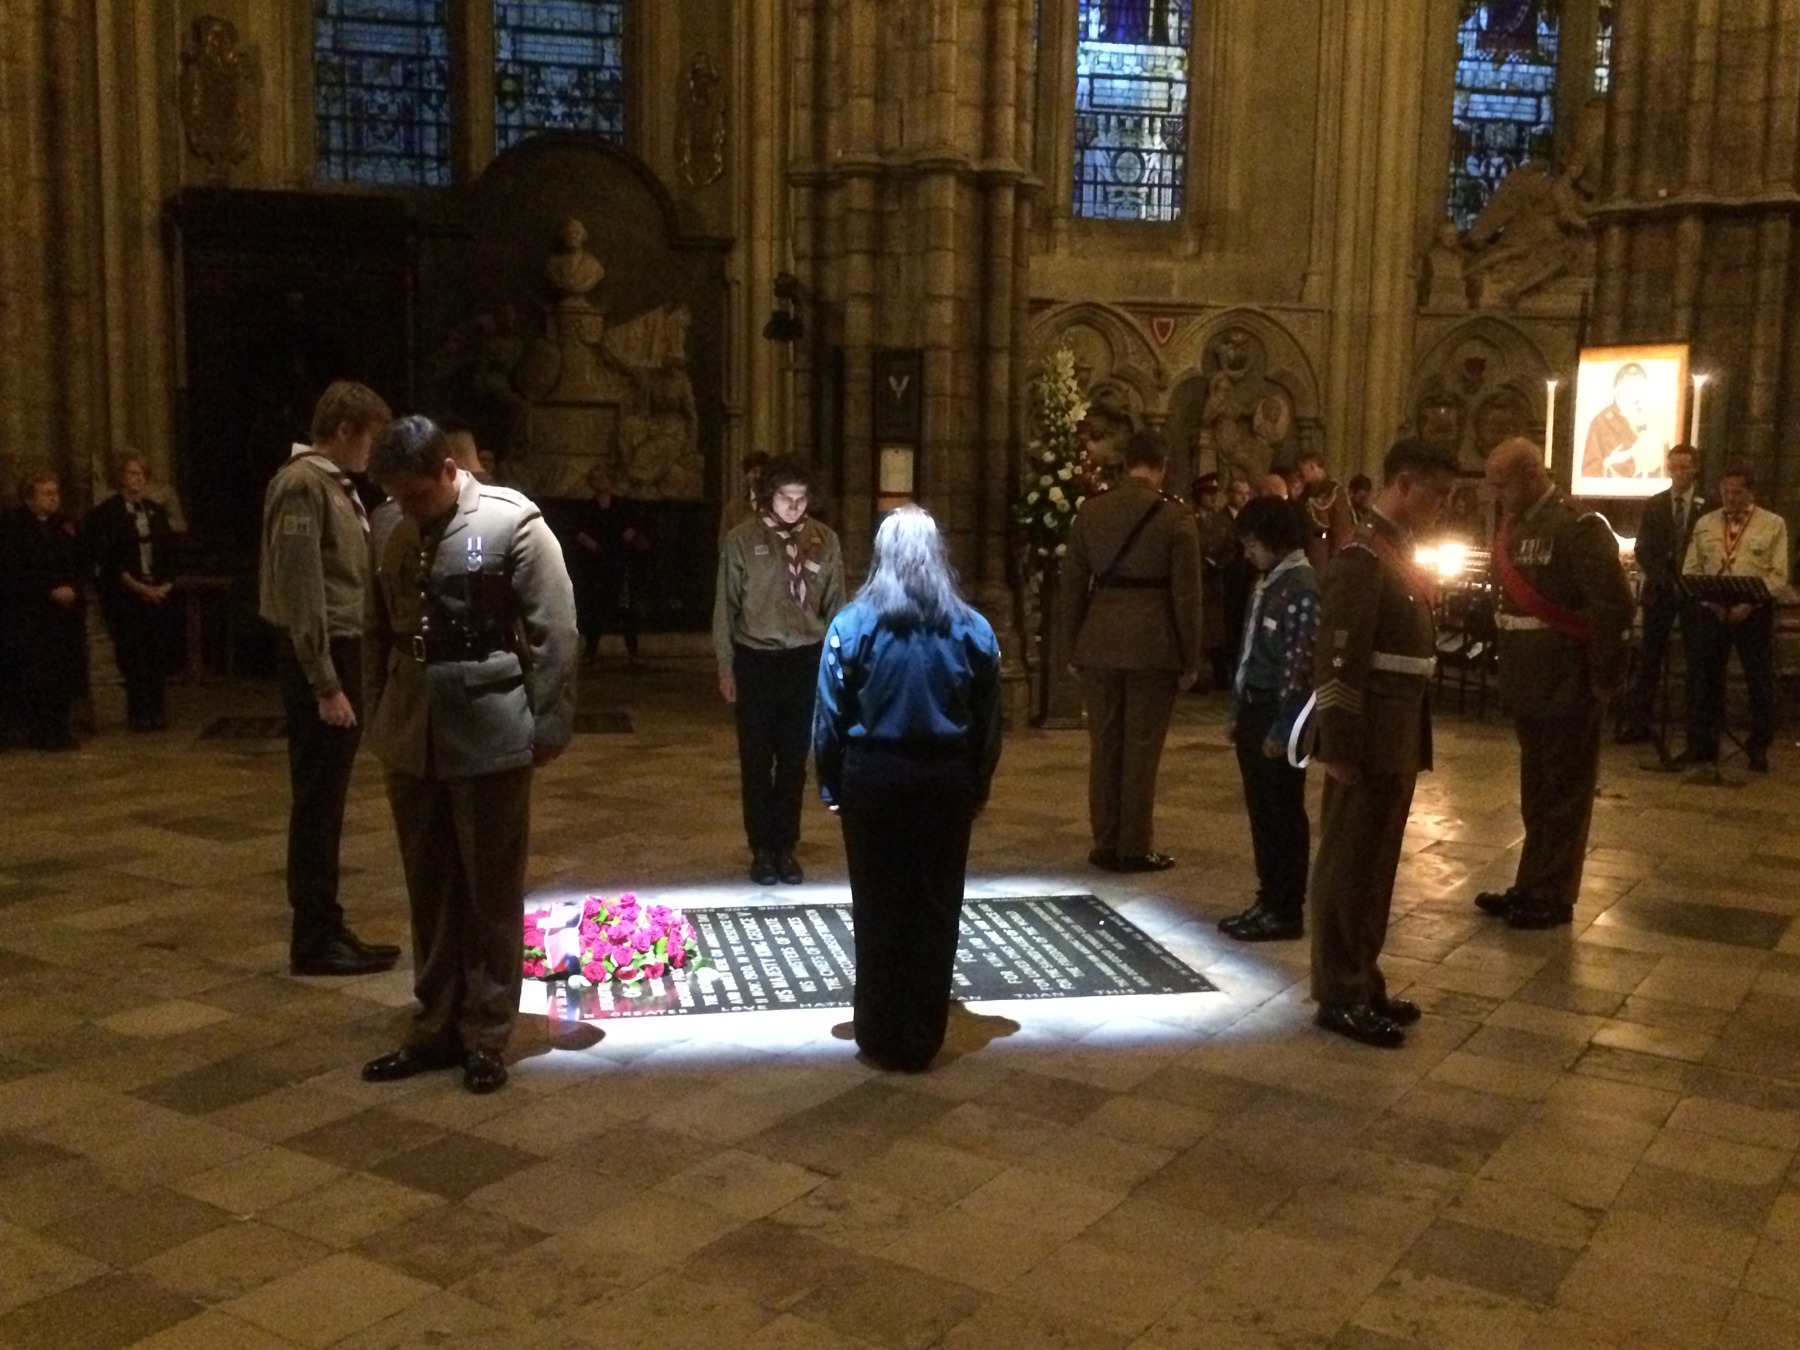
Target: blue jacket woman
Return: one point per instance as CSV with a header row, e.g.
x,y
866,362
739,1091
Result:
x,y
906,734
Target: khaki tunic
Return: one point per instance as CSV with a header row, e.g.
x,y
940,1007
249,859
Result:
x,y
457,737
1556,685
1130,640
1375,612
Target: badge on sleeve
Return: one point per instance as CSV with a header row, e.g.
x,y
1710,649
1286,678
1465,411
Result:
x,y
296,522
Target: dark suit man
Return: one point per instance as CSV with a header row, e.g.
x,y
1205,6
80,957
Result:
x,y
1661,545
1372,666
1133,627
1564,619
470,685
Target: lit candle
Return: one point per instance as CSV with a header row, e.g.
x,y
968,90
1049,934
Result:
x,y
1699,393
1549,421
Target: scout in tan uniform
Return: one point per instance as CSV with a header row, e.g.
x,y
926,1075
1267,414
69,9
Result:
x,y
1565,617
471,684
1374,660
314,583
1133,626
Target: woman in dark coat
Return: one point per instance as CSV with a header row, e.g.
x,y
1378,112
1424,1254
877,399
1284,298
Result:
x,y
45,638
906,732
128,538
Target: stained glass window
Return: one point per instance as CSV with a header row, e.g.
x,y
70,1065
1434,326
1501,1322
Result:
x,y
1505,110
1131,103
381,91
559,66
1603,49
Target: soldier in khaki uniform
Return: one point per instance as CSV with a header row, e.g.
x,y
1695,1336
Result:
x,y
1565,619
1373,663
1330,519
470,684
1133,625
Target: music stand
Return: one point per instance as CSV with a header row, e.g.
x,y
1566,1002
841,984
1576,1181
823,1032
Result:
x,y
1725,591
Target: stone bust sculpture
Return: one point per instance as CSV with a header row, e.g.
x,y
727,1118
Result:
x,y
572,270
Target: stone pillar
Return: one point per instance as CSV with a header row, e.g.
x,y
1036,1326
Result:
x,y
52,354
1697,218
912,139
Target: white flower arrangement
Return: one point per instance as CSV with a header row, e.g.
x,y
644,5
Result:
x,y
1053,461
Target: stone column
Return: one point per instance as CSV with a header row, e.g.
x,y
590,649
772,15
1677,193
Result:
x,y
912,140
52,387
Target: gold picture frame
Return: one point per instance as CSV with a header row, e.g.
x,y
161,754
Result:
x,y
1631,407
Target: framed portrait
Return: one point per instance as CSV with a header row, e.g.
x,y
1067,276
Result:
x,y
1630,408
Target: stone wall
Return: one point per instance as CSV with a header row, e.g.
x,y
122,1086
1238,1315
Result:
x,y
1697,220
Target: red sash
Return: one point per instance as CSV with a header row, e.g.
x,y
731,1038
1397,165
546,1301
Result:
x,y
1530,600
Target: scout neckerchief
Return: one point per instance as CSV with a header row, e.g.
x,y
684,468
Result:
x,y
1732,538
794,539
1295,559
329,467
1527,597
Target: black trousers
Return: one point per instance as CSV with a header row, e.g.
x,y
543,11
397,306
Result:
x,y
1754,641
907,820
775,694
1660,615
463,846
606,601
139,633
1275,798
320,758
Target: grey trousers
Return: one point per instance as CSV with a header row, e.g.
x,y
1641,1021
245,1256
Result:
x,y
463,845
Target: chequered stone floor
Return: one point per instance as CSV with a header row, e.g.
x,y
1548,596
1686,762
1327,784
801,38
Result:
x,y
1590,1141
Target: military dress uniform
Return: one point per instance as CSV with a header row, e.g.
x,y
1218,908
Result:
x,y
1373,662
472,665
1131,638
1330,521
1565,619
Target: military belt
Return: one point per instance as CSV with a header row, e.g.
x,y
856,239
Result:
x,y
430,648
1403,665
1519,623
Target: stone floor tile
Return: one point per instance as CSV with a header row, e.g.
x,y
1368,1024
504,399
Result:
x,y
111,1310
137,1227
446,1244
32,1268
227,1262
454,1165
1657,1300
321,1304
259,1180
350,1209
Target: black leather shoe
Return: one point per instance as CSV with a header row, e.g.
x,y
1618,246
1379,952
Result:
x,y
1268,926
1232,922
1758,760
483,1072
340,958
1144,862
406,1062
385,951
1402,1012
1104,859
1497,903
762,868
787,867
1691,755
1361,1023
1530,913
